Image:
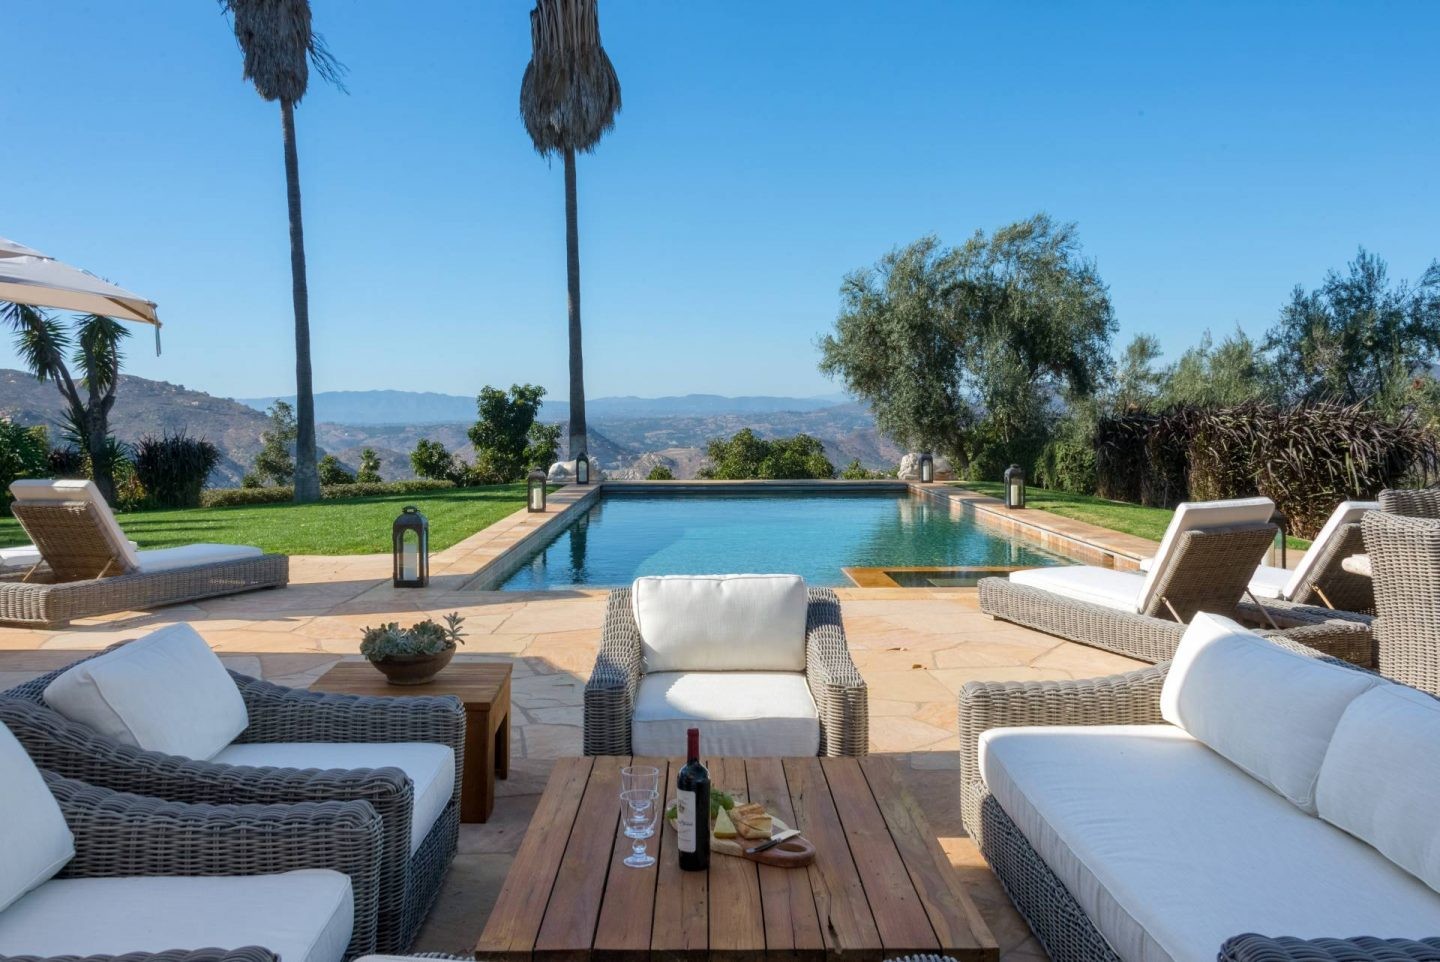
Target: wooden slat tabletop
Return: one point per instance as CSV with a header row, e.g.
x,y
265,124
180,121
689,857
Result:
x,y
881,885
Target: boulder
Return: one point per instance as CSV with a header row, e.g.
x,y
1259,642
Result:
x,y
910,468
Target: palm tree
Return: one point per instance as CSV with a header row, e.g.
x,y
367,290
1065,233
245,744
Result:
x,y
279,48
42,342
568,100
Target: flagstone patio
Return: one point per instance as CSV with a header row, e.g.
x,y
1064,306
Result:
x,y
914,647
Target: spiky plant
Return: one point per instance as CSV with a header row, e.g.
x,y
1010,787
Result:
x,y
280,47
94,348
568,100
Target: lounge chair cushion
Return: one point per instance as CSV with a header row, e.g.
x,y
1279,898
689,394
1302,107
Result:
x,y
1197,516
1098,586
1270,582
721,622
1347,512
1381,777
430,766
743,714
35,842
1171,850
304,916
190,555
1269,711
65,491
166,692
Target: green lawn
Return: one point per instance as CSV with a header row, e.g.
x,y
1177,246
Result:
x,y
350,526
1133,519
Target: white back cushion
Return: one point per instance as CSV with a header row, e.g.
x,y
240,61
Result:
x,y
60,492
721,622
166,693
35,842
1347,512
1269,711
1381,777
1198,516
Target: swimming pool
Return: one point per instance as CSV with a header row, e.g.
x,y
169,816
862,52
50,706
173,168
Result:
x,y
622,536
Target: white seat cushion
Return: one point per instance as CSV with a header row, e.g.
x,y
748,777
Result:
x,y
66,491
166,692
1268,710
1171,850
304,916
430,766
1381,777
1201,516
189,555
1270,582
35,842
1099,586
742,714
721,622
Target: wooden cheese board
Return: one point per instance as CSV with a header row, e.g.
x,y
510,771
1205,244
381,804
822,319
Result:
x,y
796,852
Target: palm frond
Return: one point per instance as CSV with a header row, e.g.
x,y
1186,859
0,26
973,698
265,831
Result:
x,y
40,340
570,93
97,352
280,46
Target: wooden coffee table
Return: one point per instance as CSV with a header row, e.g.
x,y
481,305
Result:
x,y
880,886
483,687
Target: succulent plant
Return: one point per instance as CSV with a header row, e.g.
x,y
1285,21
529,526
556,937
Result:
x,y
389,640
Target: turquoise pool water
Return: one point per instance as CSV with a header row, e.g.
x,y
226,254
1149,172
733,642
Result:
x,y
624,536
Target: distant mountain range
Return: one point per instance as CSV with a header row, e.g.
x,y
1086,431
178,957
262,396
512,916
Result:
x,y
628,435
427,407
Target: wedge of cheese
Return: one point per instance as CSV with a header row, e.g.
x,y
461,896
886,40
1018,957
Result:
x,y
724,827
752,821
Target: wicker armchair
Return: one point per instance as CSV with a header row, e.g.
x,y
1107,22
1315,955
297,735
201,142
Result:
x,y
1411,502
120,834
1057,919
408,884
839,692
1405,558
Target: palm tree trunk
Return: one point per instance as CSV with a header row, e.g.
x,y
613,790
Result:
x,y
572,277
307,476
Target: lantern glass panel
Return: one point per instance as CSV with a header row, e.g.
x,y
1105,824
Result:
x,y
927,469
410,555
582,470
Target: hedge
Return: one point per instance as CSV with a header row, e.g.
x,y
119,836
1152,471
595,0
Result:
x,y
1307,458
230,497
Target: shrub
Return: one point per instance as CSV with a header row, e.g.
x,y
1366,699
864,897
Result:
x,y
660,473
173,468
275,461
230,497
24,453
432,460
333,472
747,455
66,463
855,471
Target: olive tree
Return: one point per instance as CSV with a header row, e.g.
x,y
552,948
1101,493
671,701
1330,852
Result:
x,y
968,350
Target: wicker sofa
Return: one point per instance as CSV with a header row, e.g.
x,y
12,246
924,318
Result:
x,y
90,568
91,870
1158,814
691,667
296,746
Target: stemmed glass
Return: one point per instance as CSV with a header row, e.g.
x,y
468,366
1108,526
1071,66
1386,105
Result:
x,y
640,800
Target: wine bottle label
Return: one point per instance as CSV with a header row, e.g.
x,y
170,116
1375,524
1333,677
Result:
x,y
685,820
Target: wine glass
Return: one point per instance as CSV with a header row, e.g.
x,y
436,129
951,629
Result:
x,y
641,809
639,778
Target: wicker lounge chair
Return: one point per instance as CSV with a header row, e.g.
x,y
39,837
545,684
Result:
x,y
1319,579
90,568
836,692
1049,793
1405,558
90,870
280,757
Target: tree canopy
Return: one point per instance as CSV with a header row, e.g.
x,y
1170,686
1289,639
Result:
x,y
967,350
508,439
746,456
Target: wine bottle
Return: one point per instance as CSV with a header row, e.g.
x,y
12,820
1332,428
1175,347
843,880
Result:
x,y
692,815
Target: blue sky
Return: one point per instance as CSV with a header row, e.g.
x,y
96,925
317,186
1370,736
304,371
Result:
x,y
1213,155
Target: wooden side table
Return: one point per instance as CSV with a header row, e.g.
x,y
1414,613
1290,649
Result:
x,y
483,687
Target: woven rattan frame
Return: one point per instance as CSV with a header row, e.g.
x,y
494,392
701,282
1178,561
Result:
x,y
1132,698
71,538
1405,558
408,884
1261,948
840,693
250,953
1330,584
1411,502
121,834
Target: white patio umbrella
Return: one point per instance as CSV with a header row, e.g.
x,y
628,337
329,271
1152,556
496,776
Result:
x,y
30,277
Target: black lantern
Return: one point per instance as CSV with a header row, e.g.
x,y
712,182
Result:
x,y
927,468
582,469
535,491
411,549
1014,486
